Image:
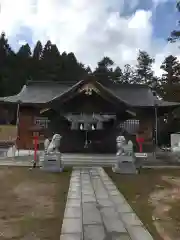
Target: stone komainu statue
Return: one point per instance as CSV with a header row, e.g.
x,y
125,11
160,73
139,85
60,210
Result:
x,y
123,148
54,145
120,142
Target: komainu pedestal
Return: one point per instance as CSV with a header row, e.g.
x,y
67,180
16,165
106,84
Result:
x,y
125,157
52,156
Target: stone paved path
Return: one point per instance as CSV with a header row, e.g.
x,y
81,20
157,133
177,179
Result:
x,y
96,210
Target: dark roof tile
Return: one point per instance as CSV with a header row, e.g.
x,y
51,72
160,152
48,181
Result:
x,y
39,92
135,95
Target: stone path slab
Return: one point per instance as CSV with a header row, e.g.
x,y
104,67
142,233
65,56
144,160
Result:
x,y
96,210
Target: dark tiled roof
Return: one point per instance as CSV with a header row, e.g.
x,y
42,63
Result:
x,y
39,92
137,95
134,95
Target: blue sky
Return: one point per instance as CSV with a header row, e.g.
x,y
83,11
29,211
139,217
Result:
x,y
165,19
116,28
141,4
23,35
164,16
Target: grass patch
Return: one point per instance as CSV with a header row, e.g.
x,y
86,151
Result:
x,y
32,203
137,189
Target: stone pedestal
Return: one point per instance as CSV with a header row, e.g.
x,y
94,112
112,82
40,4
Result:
x,y
52,162
125,165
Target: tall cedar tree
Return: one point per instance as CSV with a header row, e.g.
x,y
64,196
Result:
x,y
23,59
171,66
128,74
7,60
170,78
143,71
36,63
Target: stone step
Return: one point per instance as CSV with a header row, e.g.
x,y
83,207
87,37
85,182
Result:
x,y
87,162
83,161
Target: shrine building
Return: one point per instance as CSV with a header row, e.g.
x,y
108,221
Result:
x,y
88,115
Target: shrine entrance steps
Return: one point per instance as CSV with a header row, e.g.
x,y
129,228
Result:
x,y
88,160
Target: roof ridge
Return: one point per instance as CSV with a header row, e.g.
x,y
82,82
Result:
x,y
123,85
31,82
127,85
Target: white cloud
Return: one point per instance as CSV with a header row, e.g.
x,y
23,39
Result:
x,y
91,29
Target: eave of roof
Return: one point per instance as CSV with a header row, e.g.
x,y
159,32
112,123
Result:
x,y
166,104
38,92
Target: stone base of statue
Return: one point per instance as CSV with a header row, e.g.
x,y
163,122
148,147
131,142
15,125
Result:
x,y
125,160
125,165
125,168
52,162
